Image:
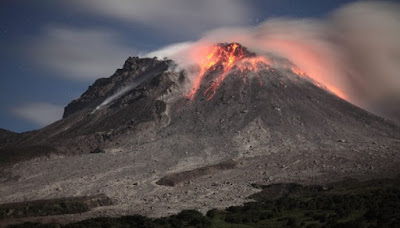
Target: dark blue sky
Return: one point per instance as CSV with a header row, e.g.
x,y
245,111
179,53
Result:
x,y
51,52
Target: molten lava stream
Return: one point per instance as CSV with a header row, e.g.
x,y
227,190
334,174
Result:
x,y
227,57
232,57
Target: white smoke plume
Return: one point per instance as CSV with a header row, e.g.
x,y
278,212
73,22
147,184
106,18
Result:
x,y
354,52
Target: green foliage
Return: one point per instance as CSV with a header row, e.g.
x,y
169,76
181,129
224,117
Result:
x,y
35,225
193,218
126,221
43,209
353,207
212,213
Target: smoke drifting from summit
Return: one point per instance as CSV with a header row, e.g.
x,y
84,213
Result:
x,y
354,52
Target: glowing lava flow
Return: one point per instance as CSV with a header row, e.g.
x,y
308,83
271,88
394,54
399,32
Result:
x,y
228,57
232,57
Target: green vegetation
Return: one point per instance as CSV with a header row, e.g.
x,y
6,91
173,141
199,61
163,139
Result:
x,y
71,205
368,204
45,209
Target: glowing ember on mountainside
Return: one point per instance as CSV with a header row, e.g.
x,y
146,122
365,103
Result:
x,y
228,59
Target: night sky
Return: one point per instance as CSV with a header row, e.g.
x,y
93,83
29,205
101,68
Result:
x,y
51,52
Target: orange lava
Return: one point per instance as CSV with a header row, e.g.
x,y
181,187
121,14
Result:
x,y
232,58
227,58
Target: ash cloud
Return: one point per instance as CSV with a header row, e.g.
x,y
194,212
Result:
x,y
354,51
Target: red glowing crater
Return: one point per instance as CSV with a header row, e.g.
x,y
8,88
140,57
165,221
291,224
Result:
x,y
227,57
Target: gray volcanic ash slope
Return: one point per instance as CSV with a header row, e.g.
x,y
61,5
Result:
x,y
257,124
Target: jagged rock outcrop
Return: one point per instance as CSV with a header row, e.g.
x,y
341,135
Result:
x,y
134,68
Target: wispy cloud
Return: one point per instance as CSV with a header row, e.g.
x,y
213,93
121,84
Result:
x,y
89,53
38,113
174,16
80,54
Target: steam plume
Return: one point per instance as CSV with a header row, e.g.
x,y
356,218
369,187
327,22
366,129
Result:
x,y
355,51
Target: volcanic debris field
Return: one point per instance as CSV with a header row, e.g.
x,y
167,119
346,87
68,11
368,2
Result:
x,y
154,140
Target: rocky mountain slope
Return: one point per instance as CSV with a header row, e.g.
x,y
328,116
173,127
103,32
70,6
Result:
x,y
269,124
7,136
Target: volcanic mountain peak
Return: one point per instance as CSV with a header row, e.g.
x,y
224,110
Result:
x,y
220,61
232,83
242,122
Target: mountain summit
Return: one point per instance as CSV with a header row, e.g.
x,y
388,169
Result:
x,y
237,119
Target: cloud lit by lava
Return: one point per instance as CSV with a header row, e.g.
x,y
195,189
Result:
x,y
353,53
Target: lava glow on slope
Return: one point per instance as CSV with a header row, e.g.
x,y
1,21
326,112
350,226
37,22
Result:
x,y
227,59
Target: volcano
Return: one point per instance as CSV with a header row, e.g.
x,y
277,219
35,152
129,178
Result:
x,y
157,140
